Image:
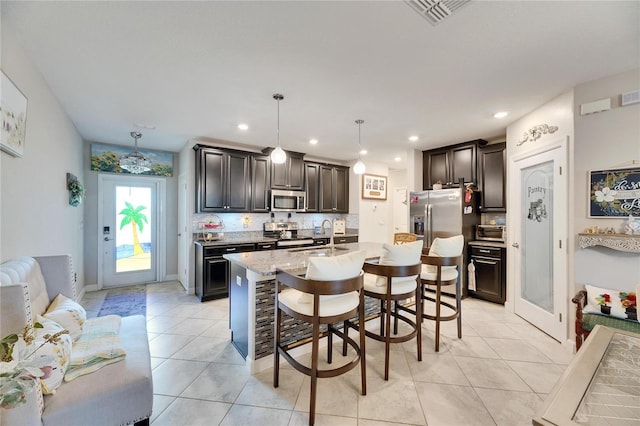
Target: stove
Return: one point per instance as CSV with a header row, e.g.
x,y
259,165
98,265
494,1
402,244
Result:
x,y
286,233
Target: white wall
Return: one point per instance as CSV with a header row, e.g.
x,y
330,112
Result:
x,y
604,140
35,216
374,219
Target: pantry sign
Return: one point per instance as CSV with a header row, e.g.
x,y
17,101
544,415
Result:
x,y
614,193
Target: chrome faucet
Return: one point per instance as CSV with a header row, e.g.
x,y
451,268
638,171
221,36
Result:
x,y
330,228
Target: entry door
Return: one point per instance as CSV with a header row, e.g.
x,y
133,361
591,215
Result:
x,y
539,243
129,230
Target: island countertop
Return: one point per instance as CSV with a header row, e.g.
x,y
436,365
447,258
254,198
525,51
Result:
x,y
296,260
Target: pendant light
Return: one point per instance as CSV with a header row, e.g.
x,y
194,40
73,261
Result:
x,y
278,156
359,168
135,162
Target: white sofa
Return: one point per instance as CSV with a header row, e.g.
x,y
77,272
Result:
x,y
117,394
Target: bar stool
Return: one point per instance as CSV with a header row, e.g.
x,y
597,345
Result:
x,y
331,292
392,279
442,267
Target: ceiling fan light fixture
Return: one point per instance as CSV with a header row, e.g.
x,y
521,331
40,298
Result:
x,y
278,156
359,168
135,162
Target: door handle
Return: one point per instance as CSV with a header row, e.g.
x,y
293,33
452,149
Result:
x,y
107,239
516,245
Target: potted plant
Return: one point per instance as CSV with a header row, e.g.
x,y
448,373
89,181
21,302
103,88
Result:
x,y
603,301
629,303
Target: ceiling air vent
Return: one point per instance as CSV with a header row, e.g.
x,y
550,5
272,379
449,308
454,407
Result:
x,y
435,11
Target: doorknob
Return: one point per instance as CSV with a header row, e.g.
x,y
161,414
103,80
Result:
x,y
179,234
107,239
516,245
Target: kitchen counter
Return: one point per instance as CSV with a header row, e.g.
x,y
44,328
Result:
x,y
252,237
252,297
266,262
488,244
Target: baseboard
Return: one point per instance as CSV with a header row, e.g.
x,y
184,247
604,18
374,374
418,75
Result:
x,y
91,287
172,277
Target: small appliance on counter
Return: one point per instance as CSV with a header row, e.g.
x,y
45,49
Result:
x,y
339,226
497,233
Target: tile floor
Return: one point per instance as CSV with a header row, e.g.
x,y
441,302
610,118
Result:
x,y
497,374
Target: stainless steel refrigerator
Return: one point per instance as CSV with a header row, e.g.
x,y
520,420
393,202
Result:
x,y
445,213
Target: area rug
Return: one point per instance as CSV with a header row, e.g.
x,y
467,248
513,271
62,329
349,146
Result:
x,y
125,301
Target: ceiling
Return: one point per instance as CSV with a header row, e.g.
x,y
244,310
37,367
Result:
x,y
195,70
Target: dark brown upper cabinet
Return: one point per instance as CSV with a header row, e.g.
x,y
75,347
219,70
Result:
x,y
260,182
222,180
290,174
312,183
492,177
450,164
334,189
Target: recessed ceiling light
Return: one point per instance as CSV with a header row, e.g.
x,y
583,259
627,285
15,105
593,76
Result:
x,y
243,126
413,138
501,114
363,152
313,141
398,158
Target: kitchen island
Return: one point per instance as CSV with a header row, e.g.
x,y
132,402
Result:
x,y
252,296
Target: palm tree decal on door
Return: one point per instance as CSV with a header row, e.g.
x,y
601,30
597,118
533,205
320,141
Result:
x,y
132,215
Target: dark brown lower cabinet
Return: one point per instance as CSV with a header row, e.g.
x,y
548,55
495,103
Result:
x,y
490,264
212,270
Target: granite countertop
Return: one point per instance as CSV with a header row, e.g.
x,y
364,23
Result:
x,y
251,237
295,261
497,244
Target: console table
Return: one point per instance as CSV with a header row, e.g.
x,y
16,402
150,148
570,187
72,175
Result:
x,y
600,385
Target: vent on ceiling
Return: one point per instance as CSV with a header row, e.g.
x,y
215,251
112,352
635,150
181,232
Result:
x,y
435,11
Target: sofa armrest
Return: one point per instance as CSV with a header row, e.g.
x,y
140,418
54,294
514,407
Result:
x,y
580,299
58,274
16,312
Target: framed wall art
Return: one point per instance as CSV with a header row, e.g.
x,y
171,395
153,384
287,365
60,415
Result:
x,y
614,193
106,158
13,106
374,187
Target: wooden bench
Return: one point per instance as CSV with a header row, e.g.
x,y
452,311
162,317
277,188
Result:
x,y
586,322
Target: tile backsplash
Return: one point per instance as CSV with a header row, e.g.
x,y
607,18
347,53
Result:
x,y
242,222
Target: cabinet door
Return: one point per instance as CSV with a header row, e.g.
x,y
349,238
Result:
x,y
489,279
312,183
211,180
215,278
260,183
327,196
238,182
342,189
492,178
436,165
463,164
296,171
290,174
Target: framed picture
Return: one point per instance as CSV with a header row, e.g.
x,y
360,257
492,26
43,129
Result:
x,y
374,187
106,158
13,106
614,193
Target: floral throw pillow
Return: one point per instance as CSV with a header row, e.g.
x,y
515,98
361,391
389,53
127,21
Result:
x,y
615,303
59,351
69,314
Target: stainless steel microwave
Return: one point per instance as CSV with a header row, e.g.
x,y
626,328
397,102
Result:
x,y
491,233
288,201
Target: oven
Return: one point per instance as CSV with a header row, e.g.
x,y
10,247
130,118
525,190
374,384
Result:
x,y
286,234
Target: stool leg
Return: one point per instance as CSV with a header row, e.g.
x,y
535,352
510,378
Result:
x,y
395,318
387,339
363,361
345,330
419,322
276,351
459,307
314,370
438,318
329,344
382,316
